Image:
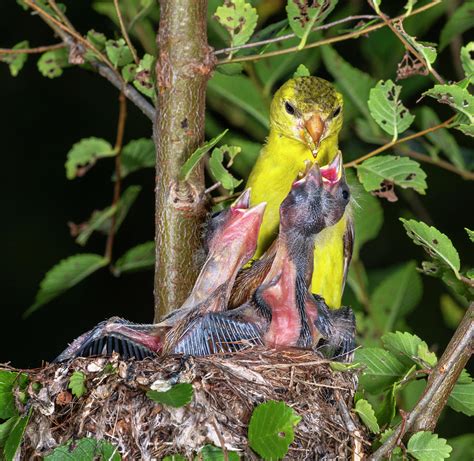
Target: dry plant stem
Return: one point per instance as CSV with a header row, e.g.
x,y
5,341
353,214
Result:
x,y
39,49
440,384
118,173
282,38
105,68
327,41
183,67
125,33
399,141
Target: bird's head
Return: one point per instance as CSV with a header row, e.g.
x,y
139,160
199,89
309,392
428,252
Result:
x,y
236,228
307,109
316,201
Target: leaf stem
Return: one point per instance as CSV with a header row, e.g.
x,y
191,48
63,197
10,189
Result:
x,y
125,33
39,49
118,173
440,383
327,41
399,141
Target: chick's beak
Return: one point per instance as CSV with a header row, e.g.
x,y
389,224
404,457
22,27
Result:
x,y
315,126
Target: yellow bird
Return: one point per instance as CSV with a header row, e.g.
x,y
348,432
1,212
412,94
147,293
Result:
x,y
305,120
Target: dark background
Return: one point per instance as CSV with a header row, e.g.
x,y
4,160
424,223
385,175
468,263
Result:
x,y
42,118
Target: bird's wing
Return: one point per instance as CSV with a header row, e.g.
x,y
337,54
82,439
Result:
x,y
348,242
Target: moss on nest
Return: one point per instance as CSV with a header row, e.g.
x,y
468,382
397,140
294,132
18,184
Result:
x,y
226,390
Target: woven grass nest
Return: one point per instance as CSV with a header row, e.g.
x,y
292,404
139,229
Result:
x,y
226,390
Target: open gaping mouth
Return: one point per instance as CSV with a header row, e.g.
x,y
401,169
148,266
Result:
x,y
332,172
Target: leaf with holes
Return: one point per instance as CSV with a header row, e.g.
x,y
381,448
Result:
x,y
408,347
396,296
387,109
427,50
52,63
426,446
402,171
271,429
436,244
64,275
141,257
382,368
16,61
85,153
85,449
143,76
367,415
303,16
77,384
219,172
467,61
239,18
118,52
178,396
455,96
212,453
197,155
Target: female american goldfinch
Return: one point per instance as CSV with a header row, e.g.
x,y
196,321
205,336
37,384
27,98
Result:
x,y
305,121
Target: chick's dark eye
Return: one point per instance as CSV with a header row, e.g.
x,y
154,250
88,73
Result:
x,y
289,108
337,111
345,194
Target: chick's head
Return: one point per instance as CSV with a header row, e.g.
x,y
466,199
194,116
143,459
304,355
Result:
x,y
307,109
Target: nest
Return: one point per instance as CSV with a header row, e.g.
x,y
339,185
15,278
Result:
x,y
226,390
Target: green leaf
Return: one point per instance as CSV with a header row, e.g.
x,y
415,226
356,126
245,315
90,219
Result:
x,y
178,396
248,98
301,71
66,274
219,172
388,406
437,245
77,384
51,63
83,450
239,18
470,234
402,171
303,17
174,458
8,381
126,201
85,153
461,398
13,442
461,20
441,137
463,448
140,257
118,52
397,295
451,310
5,429
409,6
426,446
427,50
143,79
128,72
212,453
367,213
16,61
383,368
355,84
455,96
98,39
197,155
409,348
366,412
233,68
95,222
467,61
387,109
271,429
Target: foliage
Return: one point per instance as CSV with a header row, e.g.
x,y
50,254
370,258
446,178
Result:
x,y
83,449
178,396
77,384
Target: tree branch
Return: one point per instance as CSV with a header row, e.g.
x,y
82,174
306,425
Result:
x,y
399,141
327,41
440,384
125,33
39,49
183,67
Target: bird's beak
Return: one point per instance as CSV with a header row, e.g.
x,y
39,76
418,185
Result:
x,y
333,173
315,126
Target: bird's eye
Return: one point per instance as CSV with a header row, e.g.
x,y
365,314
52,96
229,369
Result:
x,y
289,108
345,194
337,111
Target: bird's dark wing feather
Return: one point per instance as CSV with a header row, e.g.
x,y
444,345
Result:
x,y
349,235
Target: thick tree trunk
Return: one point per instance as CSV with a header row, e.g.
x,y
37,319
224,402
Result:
x,y
183,68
